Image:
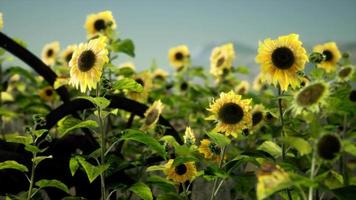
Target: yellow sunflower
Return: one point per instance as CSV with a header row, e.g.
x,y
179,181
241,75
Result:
x,y
87,63
152,114
258,116
242,88
331,54
232,113
179,57
129,65
1,22
160,74
210,150
345,73
221,59
68,53
281,59
144,79
180,173
310,98
49,52
46,93
189,137
100,22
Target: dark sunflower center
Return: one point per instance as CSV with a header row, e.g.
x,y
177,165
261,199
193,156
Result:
x,y
230,113
50,52
69,57
178,56
352,96
310,95
328,55
345,72
180,169
256,118
242,90
184,86
328,146
283,58
159,77
86,60
49,92
220,61
140,81
214,148
99,25
151,117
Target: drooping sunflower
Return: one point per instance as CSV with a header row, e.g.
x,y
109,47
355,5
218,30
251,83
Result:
x,y
232,113
345,73
242,88
144,79
87,63
100,22
46,93
332,56
152,114
50,52
189,137
221,59
258,116
180,173
68,53
160,74
281,59
1,22
179,57
210,150
310,98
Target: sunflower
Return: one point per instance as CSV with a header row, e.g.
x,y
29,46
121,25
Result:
x,y
160,74
46,93
180,173
152,114
87,64
210,150
1,22
281,59
189,137
270,178
68,53
129,65
100,22
328,146
258,116
345,73
242,88
144,79
231,113
221,59
49,52
331,54
179,57
310,98
258,83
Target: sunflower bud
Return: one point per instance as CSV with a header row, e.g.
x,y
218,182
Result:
x,y
345,55
328,146
316,57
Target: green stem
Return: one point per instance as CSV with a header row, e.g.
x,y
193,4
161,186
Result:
x,y
29,194
185,191
282,121
1,123
102,146
312,175
215,190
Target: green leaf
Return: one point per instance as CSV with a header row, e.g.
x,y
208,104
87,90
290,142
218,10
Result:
x,y
69,124
6,112
52,183
298,143
146,139
169,140
169,196
242,70
11,164
92,171
128,84
21,71
100,102
73,165
32,148
142,190
125,46
39,159
349,147
155,168
18,138
39,133
183,159
162,183
272,148
219,139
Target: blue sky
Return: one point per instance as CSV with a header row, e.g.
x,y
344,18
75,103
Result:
x,y
157,25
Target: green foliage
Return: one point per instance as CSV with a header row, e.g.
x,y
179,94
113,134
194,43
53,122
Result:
x,y
52,183
272,148
68,124
91,171
219,139
142,190
128,84
100,102
11,164
125,46
298,143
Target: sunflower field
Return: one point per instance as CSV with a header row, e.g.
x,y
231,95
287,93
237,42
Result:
x,y
74,125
